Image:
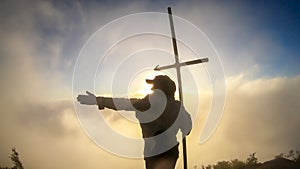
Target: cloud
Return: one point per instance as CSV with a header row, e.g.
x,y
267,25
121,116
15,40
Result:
x,y
261,115
31,79
29,57
49,119
39,45
271,109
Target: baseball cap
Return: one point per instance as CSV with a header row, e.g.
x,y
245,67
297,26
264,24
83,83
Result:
x,y
164,83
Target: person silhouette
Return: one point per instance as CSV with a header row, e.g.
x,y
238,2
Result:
x,y
160,117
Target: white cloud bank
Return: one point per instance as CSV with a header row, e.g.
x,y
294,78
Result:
x,y
261,115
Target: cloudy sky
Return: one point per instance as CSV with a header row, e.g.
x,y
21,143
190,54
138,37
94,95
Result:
x,y
258,46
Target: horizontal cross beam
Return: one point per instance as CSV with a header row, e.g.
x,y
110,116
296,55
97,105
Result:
x,y
181,64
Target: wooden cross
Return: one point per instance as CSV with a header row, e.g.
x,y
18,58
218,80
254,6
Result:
x,y
177,65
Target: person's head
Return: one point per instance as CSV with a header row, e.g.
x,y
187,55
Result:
x,y
163,83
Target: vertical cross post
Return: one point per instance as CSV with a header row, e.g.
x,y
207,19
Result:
x,y
177,66
179,79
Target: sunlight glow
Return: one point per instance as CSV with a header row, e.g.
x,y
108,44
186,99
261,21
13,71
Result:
x,y
138,86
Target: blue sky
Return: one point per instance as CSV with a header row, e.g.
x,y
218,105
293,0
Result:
x,y
280,20
276,22
273,23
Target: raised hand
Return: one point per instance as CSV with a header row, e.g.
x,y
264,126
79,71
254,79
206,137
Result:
x,y
89,99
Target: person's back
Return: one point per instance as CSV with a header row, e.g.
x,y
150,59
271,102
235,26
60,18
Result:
x,y
160,117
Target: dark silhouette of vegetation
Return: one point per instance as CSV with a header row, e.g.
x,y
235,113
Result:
x,y
16,161
251,162
291,160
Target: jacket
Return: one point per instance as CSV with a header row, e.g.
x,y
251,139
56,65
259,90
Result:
x,y
160,117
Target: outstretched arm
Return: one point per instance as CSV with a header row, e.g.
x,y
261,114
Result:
x,y
113,103
117,103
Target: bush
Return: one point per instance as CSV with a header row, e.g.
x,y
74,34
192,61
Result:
x,y
16,161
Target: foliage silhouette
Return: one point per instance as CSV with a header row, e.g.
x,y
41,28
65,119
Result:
x,y
290,160
16,160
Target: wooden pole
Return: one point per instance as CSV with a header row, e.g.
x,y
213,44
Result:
x,y
177,65
184,149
